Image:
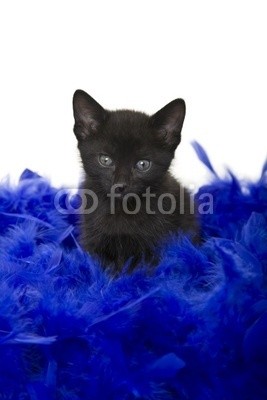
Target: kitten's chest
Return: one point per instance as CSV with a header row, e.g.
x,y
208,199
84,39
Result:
x,y
119,220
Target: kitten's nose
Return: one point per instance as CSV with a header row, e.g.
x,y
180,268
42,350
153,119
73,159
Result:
x,y
120,188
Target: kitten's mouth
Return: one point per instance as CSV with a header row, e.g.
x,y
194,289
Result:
x,y
120,196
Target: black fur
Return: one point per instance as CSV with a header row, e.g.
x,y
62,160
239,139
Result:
x,y
127,137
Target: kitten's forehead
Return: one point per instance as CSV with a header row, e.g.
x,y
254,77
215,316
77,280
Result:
x,y
128,115
127,131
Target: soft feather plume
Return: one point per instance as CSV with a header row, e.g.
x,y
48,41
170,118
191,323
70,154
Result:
x,y
195,328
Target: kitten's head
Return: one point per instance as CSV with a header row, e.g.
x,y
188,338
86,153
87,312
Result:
x,y
126,147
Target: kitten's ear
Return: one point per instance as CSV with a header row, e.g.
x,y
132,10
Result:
x,y
88,114
169,122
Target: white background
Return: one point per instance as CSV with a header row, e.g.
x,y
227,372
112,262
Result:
x,y
133,54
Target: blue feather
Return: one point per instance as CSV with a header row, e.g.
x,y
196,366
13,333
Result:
x,y
203,157
194,328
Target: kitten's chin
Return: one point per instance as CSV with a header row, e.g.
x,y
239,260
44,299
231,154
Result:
x,y
120,196
125,195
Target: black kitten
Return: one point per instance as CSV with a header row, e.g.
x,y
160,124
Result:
x,y
134,202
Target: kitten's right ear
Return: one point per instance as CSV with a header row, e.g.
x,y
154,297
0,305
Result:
x,y
88,114
168,122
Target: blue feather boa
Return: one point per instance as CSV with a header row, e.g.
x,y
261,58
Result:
x,y
196,329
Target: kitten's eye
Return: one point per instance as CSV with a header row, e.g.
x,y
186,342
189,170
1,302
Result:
x,y
105,160
143,165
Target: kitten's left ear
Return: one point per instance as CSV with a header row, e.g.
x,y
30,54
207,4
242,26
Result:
x,y
168,121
